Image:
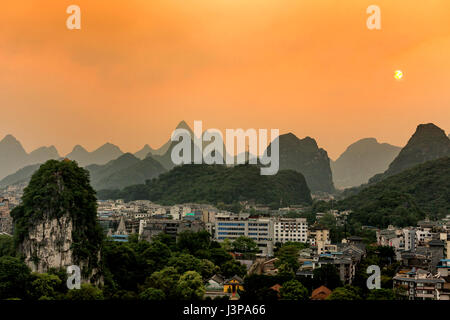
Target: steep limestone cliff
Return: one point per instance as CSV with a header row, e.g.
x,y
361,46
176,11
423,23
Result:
x,y
48,244
56,224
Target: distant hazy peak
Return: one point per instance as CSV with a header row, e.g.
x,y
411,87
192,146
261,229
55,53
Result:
x,y
78,148
108,146
127,155
183,125
9,138
362,160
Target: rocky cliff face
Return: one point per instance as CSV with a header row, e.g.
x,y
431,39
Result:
x,y
48,244
304,156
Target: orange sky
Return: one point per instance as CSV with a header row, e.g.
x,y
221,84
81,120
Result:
x,y
138,67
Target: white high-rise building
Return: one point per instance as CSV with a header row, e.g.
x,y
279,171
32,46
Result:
x,y
290,229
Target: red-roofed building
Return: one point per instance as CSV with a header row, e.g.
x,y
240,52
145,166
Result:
x,y
320,293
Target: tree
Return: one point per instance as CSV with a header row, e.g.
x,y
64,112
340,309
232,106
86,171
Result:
x,y
152,294
227,245
344,293
86,292
165,280
168,240
207,268
190,286
183,262
328,276
233,267
293,290
157,255
245,245
7,246
123,295
288,255
264,294
44,286
381,294
14,277
219,256
286,270
124,265
193,242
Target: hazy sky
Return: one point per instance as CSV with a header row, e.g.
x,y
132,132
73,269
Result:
x,y
138,67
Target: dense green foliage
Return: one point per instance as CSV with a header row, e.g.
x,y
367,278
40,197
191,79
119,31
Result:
x,y
345,293
61,188
218,183
174,267
7,246
14,277
293,290
288,256
169,269
328,276
404,199
87,292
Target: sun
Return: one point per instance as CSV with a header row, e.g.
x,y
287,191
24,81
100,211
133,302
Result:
x,y
398,74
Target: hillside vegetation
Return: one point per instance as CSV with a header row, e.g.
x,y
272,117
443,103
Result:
x,y
218,183
404,198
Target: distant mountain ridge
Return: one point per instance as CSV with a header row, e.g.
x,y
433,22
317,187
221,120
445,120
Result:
x,y
302,155
429,142
14,157
361,161
101,155
124,171
144,152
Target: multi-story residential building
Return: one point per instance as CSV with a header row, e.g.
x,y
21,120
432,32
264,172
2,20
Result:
x,y
345,258
318,238
230,226
418,284
176,212
151,227
287,229
390,237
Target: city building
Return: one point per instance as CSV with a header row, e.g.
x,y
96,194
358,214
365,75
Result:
x,y
231,226
148,228
318,237
287,229
419,284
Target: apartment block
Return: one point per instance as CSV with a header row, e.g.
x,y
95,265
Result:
x,y
287,229
230,226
